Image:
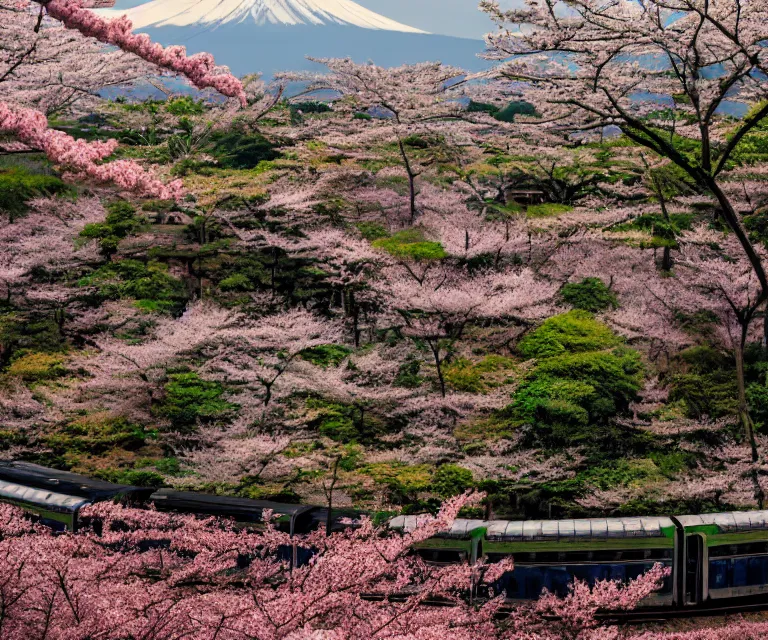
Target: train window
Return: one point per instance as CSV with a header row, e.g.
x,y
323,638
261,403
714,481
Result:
x,y
304,555
746,549
55,525
718,574
442,556
745,571
599,555
757,570
498,557
527,582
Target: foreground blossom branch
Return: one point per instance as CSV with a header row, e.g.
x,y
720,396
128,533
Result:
x,y
200,69
79,158
173,576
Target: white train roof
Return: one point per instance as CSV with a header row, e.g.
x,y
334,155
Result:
x,y
734,521
551,530
42,498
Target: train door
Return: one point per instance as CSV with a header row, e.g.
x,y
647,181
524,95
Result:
x,y
477,554
694,569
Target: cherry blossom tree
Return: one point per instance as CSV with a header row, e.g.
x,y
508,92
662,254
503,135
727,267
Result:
x,y
257,356
587,68
437,308
52,68
122,581
46,240
410,96
168,576
81,159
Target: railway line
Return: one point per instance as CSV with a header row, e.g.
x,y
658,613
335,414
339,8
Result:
x,y
718,562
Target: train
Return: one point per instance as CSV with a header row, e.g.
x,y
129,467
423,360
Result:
x,y
715,560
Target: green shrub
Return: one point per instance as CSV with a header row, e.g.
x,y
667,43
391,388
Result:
x,y
573,332
344,423
25,333
149,284
477,377
339,427
95,434
240,150
703,359
547,210
622,473
236,282
408,375
326,355
10,439
253,490
712,394
463,375
134,477
705,383
411,244
674,181
590,294
416,141
757,397
168,466
665,232
403,481
451,479
185,106
120,222
372,231
189,399
351,457
673,462
159,206
19,185
35,367
579,380
615,375
757,225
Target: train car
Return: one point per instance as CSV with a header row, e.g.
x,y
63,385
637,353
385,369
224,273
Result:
x,y
56,497
550,554
292,518
723,556
716,559
461,543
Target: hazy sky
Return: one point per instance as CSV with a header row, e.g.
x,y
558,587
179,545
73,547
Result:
x,y
450,17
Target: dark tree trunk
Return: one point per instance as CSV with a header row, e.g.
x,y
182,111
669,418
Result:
x,y
435,346
411,180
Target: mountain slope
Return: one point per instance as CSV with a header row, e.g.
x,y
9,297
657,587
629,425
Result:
x,y
187,13
276,35
246,48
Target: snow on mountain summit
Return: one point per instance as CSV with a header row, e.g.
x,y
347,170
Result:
x,y
183,13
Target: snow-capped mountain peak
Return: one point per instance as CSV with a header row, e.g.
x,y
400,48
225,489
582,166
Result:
x,y
184,13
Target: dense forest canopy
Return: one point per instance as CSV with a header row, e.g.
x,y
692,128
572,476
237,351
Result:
x,y
546,283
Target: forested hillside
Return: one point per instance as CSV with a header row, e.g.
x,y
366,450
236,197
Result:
x,y
402,306
538,292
